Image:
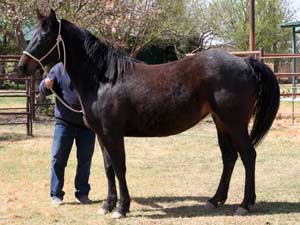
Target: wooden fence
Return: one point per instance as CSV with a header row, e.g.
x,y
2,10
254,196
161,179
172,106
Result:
x,y
28,94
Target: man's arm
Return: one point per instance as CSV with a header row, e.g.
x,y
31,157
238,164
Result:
x,y
45,86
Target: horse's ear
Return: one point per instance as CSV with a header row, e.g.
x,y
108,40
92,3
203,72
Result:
x,y
43,8
52,15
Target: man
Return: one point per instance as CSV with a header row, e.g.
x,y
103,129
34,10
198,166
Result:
x,y
69,126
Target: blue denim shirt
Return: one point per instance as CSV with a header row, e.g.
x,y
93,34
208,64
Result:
x,y
63,88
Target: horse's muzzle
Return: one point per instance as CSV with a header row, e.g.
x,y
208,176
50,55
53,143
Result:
x,y
26,65
22,68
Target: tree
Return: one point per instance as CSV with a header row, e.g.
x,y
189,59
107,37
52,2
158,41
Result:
x,y
129,25
232,25
126,25
14,17
198,34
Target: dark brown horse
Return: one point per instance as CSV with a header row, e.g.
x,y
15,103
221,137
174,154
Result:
x,y
122,97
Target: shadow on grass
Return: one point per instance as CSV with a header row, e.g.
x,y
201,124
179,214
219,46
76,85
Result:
x,y
157,211
153,201
78,203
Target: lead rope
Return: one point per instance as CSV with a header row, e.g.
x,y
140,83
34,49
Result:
x,y
58,40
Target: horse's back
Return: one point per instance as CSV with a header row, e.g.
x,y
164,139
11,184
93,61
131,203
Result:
x,y
166,99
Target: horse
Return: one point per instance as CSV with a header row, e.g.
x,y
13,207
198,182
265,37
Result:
x,y
121,96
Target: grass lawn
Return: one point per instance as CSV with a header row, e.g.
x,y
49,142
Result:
x,y
169,179
12,102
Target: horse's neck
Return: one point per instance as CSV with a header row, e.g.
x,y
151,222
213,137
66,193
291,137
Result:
x,y
77,65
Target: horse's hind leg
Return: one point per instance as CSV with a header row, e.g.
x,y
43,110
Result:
x,y
229,157
241,141
111,201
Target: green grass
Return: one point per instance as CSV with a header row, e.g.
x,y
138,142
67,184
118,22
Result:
x,y
12,102
169,180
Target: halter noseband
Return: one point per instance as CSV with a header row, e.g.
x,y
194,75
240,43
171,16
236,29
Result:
x,y
39,61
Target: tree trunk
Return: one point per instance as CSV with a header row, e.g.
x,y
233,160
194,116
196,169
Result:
x,y
20,38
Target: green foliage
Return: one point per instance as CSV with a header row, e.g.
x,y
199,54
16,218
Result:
x,y
45,105
12,85
126,25
9,49
270,14
129,25
232,25
14,16
46,110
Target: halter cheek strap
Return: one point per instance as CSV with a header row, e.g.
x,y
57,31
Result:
x,y
39,61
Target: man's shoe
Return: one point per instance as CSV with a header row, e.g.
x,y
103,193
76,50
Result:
x,y
84,199
56,201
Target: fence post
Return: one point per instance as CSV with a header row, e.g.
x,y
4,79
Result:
x,y
29,106
293,101
32,97
261,54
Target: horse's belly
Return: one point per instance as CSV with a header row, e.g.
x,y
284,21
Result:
x,y
164,123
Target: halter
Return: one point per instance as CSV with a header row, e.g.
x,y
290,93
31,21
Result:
x,y
39,61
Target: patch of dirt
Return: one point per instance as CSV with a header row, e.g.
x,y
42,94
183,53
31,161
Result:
x,y
13,119
285,128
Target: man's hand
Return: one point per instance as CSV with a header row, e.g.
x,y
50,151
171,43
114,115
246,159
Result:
x,y
48,83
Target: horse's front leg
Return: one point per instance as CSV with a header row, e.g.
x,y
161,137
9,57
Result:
x,y
115,151
111,201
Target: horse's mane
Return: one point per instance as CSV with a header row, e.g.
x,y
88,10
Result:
x,y
104,63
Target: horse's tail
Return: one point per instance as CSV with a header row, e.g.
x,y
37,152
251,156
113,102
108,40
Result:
x,y
268,99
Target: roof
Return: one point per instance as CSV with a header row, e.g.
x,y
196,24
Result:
x,y
295,25
290,24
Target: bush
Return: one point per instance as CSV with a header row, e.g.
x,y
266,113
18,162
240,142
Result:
x,y
9,49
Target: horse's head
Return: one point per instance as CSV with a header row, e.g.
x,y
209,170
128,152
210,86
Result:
x,y
43,49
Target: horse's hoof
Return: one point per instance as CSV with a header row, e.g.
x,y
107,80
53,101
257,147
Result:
x,y
103,211
117,215
241,212
209,205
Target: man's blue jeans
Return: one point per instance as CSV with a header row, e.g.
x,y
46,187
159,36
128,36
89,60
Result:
x,y
64,136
